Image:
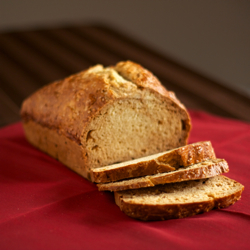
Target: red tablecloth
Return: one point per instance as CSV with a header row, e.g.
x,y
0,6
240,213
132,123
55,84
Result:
x,y
44,205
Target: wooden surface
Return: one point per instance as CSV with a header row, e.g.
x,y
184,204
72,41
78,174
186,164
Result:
x,y
31,59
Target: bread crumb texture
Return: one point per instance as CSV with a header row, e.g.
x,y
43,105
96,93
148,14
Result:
x,y
189,191
178,200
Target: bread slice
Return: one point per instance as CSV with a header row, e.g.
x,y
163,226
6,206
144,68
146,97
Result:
x,y
201,170
105,115
179,200
154,164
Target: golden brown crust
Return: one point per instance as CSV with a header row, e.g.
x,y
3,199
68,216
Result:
x,y
140,76
58,146
134,170
170,161
147,212
162,212
204,170
216,167
68,105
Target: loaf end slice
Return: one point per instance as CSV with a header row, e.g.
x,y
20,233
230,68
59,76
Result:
x,y
154,164
179,200
206,169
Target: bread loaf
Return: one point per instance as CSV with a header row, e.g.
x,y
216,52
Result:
x,y
206,169
154,164
179,200
102,116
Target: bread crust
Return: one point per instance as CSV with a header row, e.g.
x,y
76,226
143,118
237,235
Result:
x,y
205,170
170,161
58,146
67,107
147,212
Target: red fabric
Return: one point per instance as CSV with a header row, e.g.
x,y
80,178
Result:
x,y
44,205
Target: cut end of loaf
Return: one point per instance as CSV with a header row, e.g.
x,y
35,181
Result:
x,y
133,128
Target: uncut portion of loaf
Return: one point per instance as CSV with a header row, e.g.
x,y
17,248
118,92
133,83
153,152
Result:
x,y
201,170
154,164
179,200
102,116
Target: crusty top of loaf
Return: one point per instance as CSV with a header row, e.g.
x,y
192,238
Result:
x,y
69,104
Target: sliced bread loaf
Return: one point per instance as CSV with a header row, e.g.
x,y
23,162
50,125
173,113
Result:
x,y
105,115
179,200
154,164
201,170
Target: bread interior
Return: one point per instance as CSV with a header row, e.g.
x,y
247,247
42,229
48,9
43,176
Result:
x,y
183,192
132,128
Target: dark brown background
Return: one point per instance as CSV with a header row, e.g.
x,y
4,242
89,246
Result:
x,y
32,59
199,49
